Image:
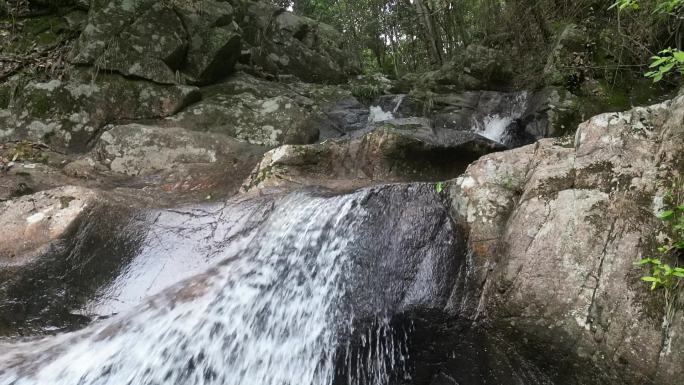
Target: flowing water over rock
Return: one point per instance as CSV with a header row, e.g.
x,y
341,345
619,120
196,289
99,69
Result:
x,y
498,124
498,116
265,317
309,294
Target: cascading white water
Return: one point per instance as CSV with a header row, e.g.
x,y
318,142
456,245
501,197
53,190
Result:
x,y
381,353
269,316
493,125
377,114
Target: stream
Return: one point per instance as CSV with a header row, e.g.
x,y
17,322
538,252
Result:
x,y
324,289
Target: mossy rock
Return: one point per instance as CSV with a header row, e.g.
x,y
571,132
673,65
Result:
x,y
67,115
5,95
37,33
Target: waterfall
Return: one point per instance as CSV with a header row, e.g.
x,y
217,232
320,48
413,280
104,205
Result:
x,y
378,114
496,125
268,316
398,100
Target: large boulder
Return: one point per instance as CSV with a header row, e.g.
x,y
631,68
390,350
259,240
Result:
x,y
69,114
253,110
475,68
282,42
400,150
160,41
270,113
555,229
177,159
214,40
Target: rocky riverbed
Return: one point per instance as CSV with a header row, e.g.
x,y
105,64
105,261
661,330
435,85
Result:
x,y
185,158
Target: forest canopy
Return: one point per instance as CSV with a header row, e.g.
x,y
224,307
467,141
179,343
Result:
x,y
400,36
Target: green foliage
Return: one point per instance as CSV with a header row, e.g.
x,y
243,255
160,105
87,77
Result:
x,y
665,62
368,62
663,274
626,5
366,92
439,187
667,277
669,6
669,59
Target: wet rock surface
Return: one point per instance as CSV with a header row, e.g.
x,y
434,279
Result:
x,y
405,295
172,155
61,244
119,170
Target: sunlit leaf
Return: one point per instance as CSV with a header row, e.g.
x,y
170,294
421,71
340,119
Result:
x,y
679,56
657,61
667,214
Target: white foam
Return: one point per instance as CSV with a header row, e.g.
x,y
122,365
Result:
x,y
378,115
494,127
270,316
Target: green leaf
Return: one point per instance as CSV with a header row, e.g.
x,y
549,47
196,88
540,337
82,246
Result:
x,y
679,56
645,261
657,77
666,68
667,214
657,61
650,279
439,187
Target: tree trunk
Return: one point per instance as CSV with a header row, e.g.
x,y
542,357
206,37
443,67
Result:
x,y
434,44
